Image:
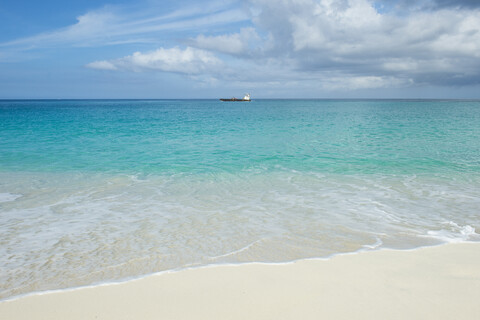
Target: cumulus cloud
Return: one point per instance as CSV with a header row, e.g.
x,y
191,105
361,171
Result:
x,y
189,61
352,38
335,44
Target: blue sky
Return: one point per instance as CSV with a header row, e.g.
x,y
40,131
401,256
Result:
x,y
211,49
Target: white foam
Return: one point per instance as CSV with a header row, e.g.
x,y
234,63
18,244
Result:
x,y
133,226
377,244
7,197
454,233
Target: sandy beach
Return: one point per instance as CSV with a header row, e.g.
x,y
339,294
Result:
x,y
429,283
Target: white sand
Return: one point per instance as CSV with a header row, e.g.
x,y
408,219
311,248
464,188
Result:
x,y
431,283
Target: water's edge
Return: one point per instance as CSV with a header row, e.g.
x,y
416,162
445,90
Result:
x,y
181,269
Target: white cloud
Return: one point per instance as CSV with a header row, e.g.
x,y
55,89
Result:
x,y
102,65
331,43
90,28
354,41
325,24
189,61
235,43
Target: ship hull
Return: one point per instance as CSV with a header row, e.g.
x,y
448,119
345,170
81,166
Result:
x,y
234,99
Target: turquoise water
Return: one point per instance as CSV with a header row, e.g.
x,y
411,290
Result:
x,y
171,137
94,191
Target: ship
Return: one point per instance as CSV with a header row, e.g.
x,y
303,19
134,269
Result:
x,y
245,98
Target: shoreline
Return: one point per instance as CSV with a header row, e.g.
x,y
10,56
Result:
x,y
363,249
440,281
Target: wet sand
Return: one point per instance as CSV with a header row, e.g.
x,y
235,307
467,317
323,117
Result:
x,y
429,283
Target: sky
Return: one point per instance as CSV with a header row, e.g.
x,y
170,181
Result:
x,y
163,49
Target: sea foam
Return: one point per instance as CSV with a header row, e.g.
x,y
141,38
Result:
x,y
7,197
453,233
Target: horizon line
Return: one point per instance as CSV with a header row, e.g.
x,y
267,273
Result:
x,y
158,99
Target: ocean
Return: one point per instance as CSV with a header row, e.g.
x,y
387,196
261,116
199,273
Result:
x,y
96,191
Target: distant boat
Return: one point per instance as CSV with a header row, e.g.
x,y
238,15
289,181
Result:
x,y
245,98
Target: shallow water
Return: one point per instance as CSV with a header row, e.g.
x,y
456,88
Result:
x,y
94,191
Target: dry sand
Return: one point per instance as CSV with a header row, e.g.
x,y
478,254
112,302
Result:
x,y
430,283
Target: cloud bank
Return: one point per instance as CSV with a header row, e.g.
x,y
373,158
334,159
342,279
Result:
x,y
346,43
325,44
